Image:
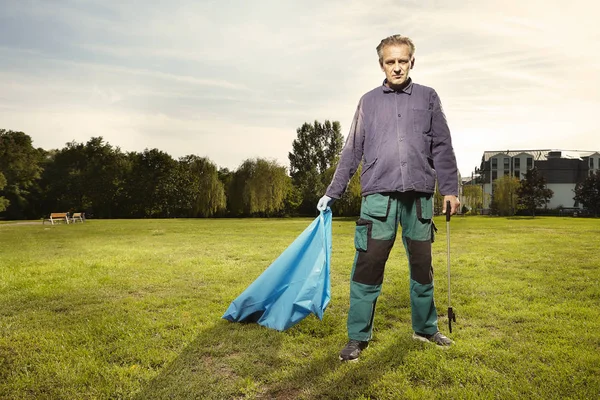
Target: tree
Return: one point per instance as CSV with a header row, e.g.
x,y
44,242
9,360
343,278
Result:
x,y
61,185
259,188
316,149
473,197
588,193
438,201
3,201
104,176
202,194
504,197
293,200
151,187
533,192
83,177
19,163
225,177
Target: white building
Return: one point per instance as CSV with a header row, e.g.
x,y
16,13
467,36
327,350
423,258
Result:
x,y
562,169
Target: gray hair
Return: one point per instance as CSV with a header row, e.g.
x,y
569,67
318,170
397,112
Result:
x,y
395,40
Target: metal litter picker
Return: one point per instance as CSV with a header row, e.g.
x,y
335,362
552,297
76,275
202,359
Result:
x,y
451,315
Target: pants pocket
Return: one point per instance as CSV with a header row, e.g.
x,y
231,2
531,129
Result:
x,y
362,233
424,206
376,205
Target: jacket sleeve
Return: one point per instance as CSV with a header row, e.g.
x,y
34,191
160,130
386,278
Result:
x,y
444,160
351,156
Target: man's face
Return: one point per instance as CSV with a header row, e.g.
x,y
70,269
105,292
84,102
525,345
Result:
x,y
396,63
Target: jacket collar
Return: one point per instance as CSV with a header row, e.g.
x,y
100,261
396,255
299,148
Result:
x,y
407,89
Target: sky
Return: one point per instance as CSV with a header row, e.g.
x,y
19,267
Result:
x,y
232,80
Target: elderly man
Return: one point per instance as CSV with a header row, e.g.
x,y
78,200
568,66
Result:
x,y
400,133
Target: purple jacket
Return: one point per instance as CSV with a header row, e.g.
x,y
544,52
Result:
x,y
403,139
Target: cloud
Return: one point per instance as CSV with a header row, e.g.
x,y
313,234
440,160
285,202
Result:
x,y
234,79
226,142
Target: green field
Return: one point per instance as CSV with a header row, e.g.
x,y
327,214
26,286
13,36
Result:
x,y
131,309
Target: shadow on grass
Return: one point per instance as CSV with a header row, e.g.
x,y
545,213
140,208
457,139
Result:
x,y
234,361
326,377
221,363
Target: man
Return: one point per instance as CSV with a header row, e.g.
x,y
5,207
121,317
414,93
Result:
x,y
400,133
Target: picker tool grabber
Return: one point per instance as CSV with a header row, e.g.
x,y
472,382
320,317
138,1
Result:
x,y
451,315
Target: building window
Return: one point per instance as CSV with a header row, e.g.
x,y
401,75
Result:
x,y
494,175
591,163
507,163
517,174
517,162
494,163
529,162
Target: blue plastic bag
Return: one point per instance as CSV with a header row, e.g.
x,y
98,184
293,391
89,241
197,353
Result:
x,y
296,284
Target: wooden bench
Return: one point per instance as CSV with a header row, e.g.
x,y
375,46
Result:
x,y
57,217
78,217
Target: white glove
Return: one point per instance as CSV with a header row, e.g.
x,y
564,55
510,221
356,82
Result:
x,y
324,203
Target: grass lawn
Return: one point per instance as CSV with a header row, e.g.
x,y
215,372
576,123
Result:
x,y
131,309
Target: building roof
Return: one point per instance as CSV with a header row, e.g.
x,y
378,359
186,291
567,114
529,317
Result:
x,y
540,155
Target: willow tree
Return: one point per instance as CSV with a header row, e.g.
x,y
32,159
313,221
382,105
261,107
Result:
x,y
504,196
259,187
202,192
473,197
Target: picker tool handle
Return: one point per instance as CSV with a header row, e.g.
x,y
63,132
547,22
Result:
x,y
451,315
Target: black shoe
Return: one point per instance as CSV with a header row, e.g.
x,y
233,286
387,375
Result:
x,y
437,338
352,350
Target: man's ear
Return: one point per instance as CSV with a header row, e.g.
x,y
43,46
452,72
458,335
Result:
x,y
381,65
412,63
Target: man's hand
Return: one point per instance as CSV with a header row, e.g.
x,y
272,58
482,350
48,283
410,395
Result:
x,y
454,204
324,203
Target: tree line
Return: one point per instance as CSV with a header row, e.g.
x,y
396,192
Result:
x,y
513,196
105,182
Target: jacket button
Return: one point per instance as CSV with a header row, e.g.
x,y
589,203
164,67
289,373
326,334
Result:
x,y
399,115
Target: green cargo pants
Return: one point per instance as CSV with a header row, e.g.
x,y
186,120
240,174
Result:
x,y
380,215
